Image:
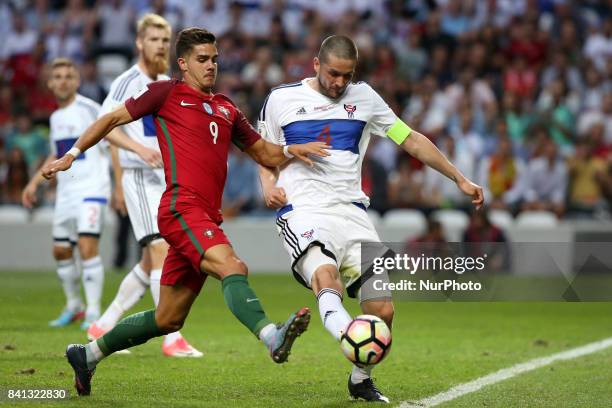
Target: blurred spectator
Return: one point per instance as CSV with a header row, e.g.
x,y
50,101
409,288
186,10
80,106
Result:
x,y
598,45
439,190
91,86
16,177
30,143
471,91
516,117
594,90
405,185
543,184
560,69
584,170
41,103
210,14
426,109
482,238
20,40
601,115
115,19
554,111
464,129
262,67
499,173
240,192
520,79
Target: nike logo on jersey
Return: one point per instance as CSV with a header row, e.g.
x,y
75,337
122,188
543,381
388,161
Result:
x,y
249,300
183,103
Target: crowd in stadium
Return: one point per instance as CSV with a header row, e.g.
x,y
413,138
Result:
x,y
517,93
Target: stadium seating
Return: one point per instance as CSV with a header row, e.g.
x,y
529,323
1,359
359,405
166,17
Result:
x,y
501,218
43,215
375,217
412,220
537,219
13,214
454,222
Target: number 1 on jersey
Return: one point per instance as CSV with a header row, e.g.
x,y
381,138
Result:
x,y
214,131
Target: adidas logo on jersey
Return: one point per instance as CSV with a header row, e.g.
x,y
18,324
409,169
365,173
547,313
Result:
x,y
301,111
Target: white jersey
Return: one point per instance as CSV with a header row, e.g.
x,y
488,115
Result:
x,y
142,130
89,175
296,113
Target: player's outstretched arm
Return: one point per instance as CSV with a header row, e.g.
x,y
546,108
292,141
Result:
x,y
274,197
423,149
28,195
272,155
89,138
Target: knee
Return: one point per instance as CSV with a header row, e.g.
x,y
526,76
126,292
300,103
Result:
x,y
168,324
61,253
230,265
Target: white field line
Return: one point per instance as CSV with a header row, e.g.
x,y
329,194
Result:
x,y
503,374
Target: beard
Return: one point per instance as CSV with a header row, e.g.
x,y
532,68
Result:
x,y
157,64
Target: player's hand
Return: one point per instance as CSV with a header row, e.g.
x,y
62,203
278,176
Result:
x,y
118,201
275,198
28,196
302,151
61,164
151,156
473,190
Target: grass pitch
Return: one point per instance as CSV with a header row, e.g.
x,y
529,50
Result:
x,y
435,346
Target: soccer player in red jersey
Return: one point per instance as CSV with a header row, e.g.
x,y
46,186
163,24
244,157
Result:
x,y
195,128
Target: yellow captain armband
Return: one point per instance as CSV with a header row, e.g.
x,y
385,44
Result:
x,y
399,132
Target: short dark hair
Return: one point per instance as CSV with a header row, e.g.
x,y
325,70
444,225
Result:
x,y
339,46
189,37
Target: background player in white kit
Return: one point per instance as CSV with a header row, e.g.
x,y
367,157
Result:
x,y
142,180
81,199
321,214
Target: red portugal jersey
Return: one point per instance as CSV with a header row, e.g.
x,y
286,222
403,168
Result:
x,y
194,131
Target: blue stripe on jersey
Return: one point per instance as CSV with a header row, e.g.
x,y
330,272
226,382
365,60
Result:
x,y
63,145
100,200
341,134
149,126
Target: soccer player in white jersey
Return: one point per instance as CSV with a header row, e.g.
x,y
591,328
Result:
x,y
142,181
321,210
81,199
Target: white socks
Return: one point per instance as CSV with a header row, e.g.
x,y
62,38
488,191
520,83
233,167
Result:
x,y
131,290
155,288
360,374
69,275
333,314
93,282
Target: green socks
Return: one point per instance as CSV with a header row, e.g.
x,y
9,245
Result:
x,y
243,303
131,331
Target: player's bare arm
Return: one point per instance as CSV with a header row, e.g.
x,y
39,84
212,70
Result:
x,y
274,197
272,155
420,147
118,138
28,195
91,137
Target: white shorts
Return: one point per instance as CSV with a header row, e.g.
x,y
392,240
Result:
x,y
78,217
338,230
143,189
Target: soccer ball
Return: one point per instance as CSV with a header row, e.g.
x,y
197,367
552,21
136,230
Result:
x,y
366,340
